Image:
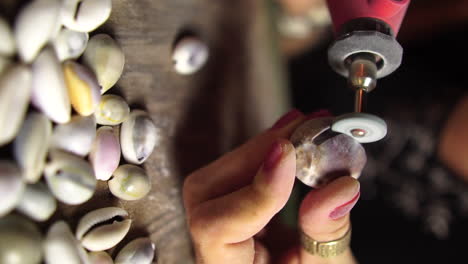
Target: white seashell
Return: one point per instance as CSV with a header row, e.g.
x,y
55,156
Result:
x,y
138,251
11,186
83,88
36,24
70,44
112,110
76,137
60,246
138,137
31,145
70,178
37,202
100,257
105,57
20,241
7,45
103,228
190,55
130,183
85,15
105,153
49,92
15,91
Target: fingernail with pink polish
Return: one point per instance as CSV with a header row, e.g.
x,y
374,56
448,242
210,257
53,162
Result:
x,y
344,209
318,114
286,119
273,156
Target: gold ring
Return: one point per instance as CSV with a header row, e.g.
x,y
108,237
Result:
x,y
326,249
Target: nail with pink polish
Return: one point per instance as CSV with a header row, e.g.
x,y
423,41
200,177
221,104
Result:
x,y
286,119
344,209
273,156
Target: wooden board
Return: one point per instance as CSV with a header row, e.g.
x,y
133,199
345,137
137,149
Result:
x,y
237,94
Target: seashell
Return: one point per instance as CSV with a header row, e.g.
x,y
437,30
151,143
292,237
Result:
x,y
105,57
105,153
31,145
138,251
37,202
70,44
112,110
189,55
85,15
100,257
70,178
77,136
138,137
11,186
20,241
130,183
61,246
7,45
83,88
36,24
49,92
15,91
103,228
323,155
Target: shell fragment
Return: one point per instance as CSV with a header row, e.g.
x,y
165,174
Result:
x,y
11,186
70,178
83,88
61,246
37,202
103,228
105,153
85,15
31,145
36,24
76,137
15,91
130,183
112,110
138,137
138,251
105,57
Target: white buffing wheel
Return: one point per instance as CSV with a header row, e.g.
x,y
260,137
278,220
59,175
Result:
x,y
365,128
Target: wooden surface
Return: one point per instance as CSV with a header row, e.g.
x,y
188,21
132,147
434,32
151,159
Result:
x,y
238,93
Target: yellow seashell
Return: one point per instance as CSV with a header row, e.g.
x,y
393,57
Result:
x,y
83,88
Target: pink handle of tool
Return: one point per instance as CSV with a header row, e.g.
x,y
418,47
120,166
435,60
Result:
x,y
390,11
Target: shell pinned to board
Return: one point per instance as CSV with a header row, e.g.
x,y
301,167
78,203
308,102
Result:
x,y
85,15
20,241
138,251
37,202
70,44
15,91
105,57
49,92
105,153
138,137
130,183
31,145
76,136
37,23
103,228
112,110
7,45
11,186
83,88
60,246
70,178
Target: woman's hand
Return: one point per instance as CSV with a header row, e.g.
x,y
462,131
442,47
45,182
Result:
x,y
232,199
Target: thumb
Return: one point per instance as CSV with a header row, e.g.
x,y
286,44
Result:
x,y
324,216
